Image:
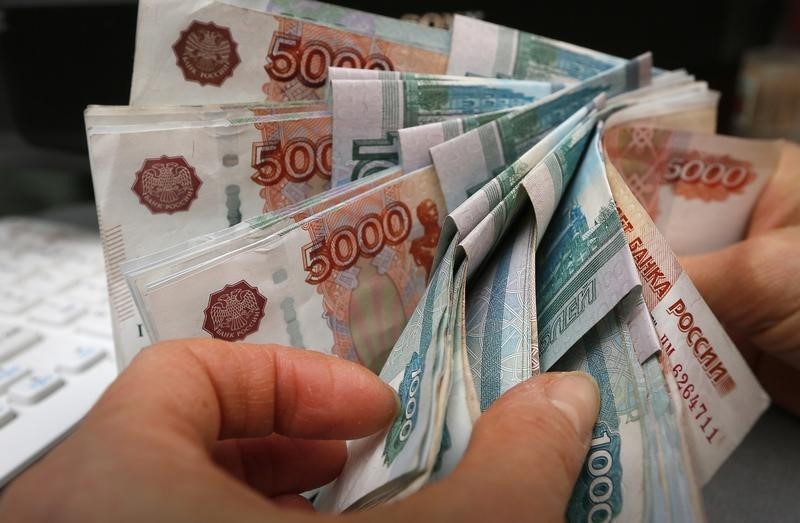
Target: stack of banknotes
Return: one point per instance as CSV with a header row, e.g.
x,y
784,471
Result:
x,y
457,211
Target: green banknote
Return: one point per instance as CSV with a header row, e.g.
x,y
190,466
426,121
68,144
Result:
x,y
369,113
484,49
584,265
478,155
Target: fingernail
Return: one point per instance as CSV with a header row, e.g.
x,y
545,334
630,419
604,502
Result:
x,y
398,405
396,396
576,395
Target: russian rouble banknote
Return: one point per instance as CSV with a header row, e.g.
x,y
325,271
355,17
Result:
x,y
457,211
369,256
205,51
164,177
684,178
369,113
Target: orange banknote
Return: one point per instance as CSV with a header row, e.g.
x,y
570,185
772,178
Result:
x,y
292,160
720,398
200,52
344,281
699,188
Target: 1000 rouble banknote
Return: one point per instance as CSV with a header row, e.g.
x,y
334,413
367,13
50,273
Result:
x,y
367,114
484,49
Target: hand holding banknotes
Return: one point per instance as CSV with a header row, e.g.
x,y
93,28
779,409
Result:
x,y
460,212
205,430
759,304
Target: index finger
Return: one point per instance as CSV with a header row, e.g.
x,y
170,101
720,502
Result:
x,y
212,390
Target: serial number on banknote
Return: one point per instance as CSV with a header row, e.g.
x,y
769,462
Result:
x,y
686,389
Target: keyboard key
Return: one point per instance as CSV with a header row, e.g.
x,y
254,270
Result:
x,y
88,293
13,301
58,312
6,414
10,374
96,323
81,359
95,329
16,339
45,283
35,389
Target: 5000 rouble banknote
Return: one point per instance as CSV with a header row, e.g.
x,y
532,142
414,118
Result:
x,y
202,51
684,179
343,281
189,256
157,185
721,398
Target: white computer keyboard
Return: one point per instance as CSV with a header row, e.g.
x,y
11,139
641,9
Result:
x,y
56,351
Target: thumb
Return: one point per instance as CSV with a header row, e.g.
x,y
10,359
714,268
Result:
x,y
524,455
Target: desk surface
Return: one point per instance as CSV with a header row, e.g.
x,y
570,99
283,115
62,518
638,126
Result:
x,y
761,479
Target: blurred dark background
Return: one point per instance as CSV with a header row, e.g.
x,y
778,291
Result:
x,y
57,56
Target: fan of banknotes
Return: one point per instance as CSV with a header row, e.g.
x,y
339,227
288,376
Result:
x,y
457,211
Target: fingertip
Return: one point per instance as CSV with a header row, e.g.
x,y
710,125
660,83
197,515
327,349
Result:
x,y
379,402
388,399
577,396
345,400
542,425
384,399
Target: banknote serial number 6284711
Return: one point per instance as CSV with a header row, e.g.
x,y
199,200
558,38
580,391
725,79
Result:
x,y
687,392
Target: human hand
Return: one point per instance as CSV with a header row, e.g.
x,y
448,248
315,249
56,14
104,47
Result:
x,y
202,430
753,287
